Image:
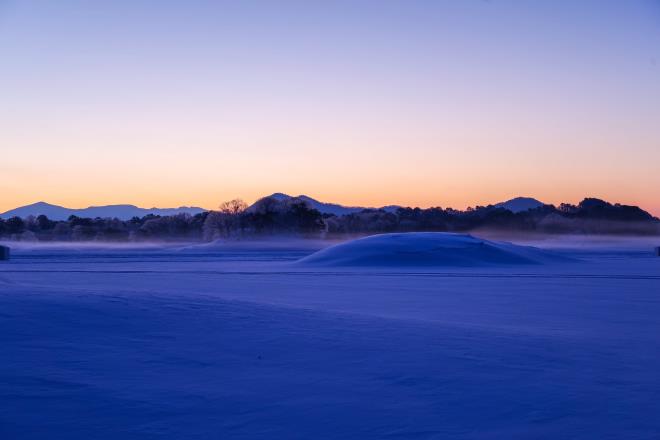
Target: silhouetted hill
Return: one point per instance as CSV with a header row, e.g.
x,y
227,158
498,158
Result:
x,y
328,208
600,209
520,204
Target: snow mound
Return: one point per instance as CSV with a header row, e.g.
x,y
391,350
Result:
x,y
427,249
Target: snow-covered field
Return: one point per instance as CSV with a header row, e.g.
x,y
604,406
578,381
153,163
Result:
x,y
243,342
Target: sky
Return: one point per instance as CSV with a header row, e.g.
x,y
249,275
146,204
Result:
x,y
417,103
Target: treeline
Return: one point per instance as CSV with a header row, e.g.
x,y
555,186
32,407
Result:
x,y
233,219
591,216
267,217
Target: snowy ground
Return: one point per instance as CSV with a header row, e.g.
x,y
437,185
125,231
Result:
x,y
211,343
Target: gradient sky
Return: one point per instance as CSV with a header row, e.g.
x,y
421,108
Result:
x,y
428,103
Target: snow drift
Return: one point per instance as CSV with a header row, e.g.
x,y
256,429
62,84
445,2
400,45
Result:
x,y
427,249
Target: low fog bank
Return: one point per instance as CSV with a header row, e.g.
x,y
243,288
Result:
x,y
578,242
593,242
27,246
264,243
242,245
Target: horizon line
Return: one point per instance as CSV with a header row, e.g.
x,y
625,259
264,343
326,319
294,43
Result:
x,y
369,206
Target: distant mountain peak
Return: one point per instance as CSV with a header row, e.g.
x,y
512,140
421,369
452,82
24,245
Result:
x,y
122,212
281,196
520,204
328,208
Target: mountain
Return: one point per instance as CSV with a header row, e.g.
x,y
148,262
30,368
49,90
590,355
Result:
x,y
329,208
122,212
520,204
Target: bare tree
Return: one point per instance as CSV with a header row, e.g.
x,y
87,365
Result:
x,y
233,207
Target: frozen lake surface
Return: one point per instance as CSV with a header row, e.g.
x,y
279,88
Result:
x,y
241,342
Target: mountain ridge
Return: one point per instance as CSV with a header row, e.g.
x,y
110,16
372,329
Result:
x,y
324,207
120,211
128,211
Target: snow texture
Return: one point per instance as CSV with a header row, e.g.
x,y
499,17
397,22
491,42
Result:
x,y
427,249
186,342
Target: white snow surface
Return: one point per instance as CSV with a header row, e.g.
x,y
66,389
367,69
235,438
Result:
x,y
427,249
242,342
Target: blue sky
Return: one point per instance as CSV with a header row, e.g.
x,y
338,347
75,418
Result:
x,y
423,103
